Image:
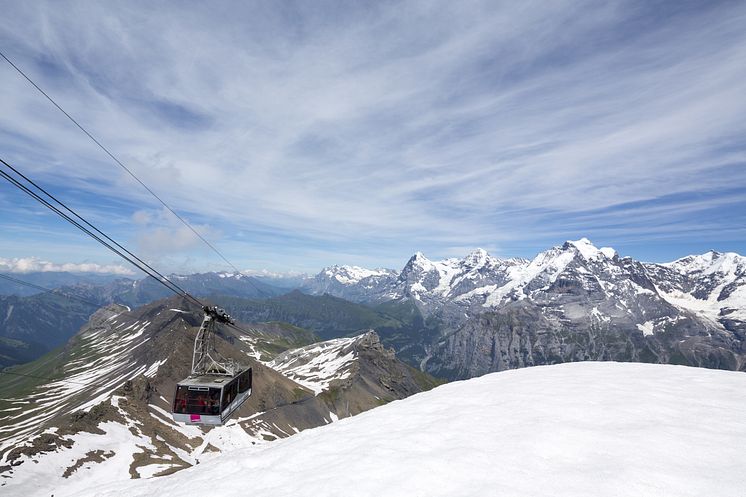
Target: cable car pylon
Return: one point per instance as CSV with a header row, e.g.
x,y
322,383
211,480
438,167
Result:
x,y
206,359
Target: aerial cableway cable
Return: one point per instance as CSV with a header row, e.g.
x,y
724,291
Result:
x,y
144,267
132,174
58,293
53,291
239,376
68,209
115,159
102,239
113,246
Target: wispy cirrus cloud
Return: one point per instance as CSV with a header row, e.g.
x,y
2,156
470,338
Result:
x,y
314,134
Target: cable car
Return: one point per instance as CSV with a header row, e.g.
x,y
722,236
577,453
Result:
x,y
217,386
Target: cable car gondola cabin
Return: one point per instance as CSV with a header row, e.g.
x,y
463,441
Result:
x,y
210,399
217,386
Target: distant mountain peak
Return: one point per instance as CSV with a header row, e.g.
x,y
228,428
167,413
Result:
x,y
478,252
237,276
419,261
581,241
710,262
589,251
348,275
478,257
419,257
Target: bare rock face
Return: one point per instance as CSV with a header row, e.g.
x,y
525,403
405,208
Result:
x,y
521,334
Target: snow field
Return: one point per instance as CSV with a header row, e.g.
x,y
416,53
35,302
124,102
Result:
x,y
582,429
44,479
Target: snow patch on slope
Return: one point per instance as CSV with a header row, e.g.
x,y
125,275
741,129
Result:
x,y
99,364
646,328
44,479
316,366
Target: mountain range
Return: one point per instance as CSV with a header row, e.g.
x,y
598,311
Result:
x,y
572,302
459,318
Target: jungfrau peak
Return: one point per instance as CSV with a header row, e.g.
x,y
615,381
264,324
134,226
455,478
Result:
x,y
589,251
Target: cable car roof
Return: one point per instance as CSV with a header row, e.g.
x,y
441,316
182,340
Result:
x,y
216,381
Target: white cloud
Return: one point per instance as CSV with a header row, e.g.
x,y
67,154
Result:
x,y
142,217
464,123
265,273
34,265
160,233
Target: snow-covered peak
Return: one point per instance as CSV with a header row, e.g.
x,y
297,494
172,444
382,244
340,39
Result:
x,y
609,252
547,265
692,263
419,260
578,256
710,262
478,258
727,263
589,251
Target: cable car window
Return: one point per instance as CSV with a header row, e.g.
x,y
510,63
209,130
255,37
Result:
x,y
229,393
194,401
244,381
213,401
180,402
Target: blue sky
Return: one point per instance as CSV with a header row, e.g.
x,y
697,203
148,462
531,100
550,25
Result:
x,y
295,135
